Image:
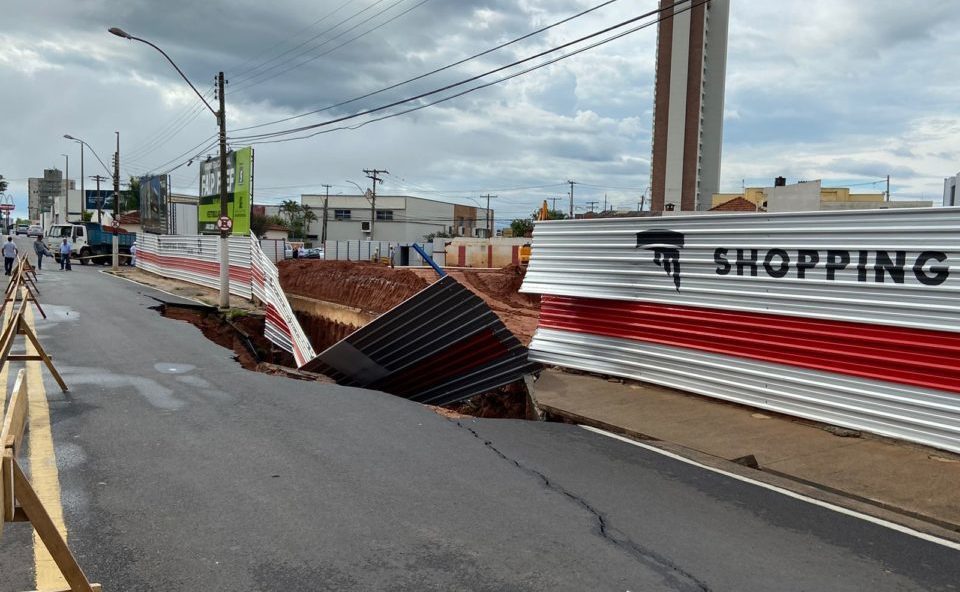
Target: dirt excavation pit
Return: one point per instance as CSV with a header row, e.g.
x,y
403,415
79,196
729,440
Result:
x,y
334,298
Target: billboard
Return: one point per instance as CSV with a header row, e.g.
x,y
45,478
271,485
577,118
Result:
x,y
154,192
239,191
102,200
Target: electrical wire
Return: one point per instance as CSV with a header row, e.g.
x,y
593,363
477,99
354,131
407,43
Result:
x,y
265,138
436,71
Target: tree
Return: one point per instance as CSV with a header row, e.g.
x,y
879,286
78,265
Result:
x,y
551,215
439,234
308,217
3,184
258,224
521,227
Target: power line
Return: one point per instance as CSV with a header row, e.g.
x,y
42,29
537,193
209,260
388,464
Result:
x,y
436,71
264,138
253,80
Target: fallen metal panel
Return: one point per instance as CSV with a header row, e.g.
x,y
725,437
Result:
x,y
850,318
441,346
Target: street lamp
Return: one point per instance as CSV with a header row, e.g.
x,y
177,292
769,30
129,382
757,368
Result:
x,y
222,123
83,199
83,193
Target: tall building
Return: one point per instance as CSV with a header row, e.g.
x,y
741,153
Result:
x,y
42,190
688,104
950,197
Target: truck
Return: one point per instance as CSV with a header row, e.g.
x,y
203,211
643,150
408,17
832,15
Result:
x,y
90,241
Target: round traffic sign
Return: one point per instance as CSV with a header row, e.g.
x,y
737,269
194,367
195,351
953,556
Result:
x,y
224,223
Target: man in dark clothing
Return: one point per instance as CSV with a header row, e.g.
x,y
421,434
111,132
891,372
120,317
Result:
x,y
9,255
41,250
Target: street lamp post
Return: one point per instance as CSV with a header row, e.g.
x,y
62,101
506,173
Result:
x,y
221,116
66,184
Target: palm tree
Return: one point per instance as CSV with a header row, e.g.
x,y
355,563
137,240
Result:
x,y
308,217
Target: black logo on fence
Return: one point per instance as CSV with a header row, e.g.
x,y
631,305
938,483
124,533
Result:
x,y
666,245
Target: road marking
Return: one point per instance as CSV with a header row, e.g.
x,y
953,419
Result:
x,y
43,469
839,509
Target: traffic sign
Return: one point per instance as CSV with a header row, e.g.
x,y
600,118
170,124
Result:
x,y
224,223
6,207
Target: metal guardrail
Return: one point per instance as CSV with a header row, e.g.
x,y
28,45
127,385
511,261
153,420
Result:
x,y
849,318
18,500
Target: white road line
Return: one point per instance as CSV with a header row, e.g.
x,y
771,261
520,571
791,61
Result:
x,y
839,509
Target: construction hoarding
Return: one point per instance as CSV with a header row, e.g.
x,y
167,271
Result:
x,y
154,194
239,192
849,318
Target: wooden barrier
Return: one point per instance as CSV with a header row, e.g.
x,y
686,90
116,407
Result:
x,y
19,502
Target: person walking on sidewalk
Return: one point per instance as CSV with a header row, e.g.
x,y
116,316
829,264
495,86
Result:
x,y
133,253
9,255
42,251
65,255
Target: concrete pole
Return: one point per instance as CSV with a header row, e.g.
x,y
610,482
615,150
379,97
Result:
x,y
116,204
224,234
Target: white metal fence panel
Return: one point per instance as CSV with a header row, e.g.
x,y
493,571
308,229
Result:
x,y
846,317
281,325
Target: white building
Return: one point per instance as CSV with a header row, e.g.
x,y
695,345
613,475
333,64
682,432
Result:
x,y
688,105
950,197
397,218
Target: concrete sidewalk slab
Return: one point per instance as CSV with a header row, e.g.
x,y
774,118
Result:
x,y
911,479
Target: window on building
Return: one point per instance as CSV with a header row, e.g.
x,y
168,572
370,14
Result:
x,y
341,214
384,214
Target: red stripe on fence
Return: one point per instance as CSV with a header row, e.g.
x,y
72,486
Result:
x,y
914,357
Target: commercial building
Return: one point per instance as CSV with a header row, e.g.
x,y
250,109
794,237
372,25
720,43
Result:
x,y
688,105
398,218
806,196
950,197
42,190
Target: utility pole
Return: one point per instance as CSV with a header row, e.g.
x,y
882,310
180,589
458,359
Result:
x,y
888,187
591,204
372,175
116,204
99,178
572,183
224,234
83,192
66,191
323,233
489,221
553,203
604,203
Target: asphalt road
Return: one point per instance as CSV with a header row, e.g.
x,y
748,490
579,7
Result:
x,y
179,470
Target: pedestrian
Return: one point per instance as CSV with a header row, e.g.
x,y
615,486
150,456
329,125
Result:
x,y
41,250
294,252
301,252
65,255
9,255
133,253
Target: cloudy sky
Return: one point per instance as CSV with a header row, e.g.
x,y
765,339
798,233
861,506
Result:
x,y
845,91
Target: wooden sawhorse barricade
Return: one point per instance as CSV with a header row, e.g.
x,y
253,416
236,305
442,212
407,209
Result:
x,y
18,500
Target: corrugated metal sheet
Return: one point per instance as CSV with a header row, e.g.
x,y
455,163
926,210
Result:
x,y
851,318
281,325
441,346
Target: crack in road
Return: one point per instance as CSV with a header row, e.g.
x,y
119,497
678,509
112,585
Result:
x,y
679,578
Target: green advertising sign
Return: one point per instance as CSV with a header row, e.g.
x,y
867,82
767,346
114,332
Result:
x,y
239,192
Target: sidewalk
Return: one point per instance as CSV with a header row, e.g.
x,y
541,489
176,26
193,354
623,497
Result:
x,y
903,479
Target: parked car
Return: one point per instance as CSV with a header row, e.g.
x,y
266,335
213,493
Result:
x,y
22,229
34,230
314,254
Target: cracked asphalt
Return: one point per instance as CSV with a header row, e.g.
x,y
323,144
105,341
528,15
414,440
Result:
x,y
179,470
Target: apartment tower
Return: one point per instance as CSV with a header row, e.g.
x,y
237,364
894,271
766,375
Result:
x,y
688,104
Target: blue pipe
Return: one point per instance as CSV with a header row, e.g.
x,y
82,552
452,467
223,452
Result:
x,y
429,260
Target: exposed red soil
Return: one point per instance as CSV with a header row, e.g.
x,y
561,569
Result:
x,y
323,332
367,286
231,335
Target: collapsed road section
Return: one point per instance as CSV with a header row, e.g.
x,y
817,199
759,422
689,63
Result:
x,y
441,346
